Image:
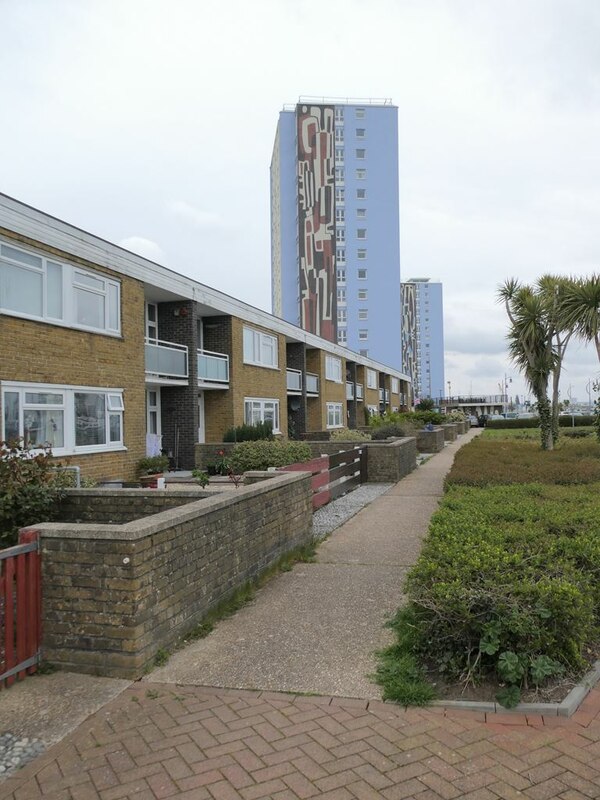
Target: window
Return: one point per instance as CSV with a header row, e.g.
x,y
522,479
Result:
x,y
340,215
363,335
360,113
151,321
363,313
360,153
339,194
340,255
40,288
342,336
340,235
363,352
362,274
334,415
339,175
339,135
361,194
361,233
341,294
333,369
363,294
339,113
371,379
260,409
69,419
260,348
361,254
395,386
341,275
360,133
339,155
342,315
361,174
361,213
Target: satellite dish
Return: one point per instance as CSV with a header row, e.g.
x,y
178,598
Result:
x,y
295,404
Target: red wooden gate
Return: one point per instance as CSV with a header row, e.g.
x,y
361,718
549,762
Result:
x,y
20,609
333,475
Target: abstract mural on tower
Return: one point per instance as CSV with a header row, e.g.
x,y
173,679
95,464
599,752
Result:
x,y
410,364
316,219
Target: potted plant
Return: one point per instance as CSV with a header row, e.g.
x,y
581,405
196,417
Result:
x,y
150,469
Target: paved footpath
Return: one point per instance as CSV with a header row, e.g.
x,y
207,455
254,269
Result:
x,y
171,737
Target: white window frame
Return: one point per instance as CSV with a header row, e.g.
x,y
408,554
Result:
x,y
361,153
255,345
361,133
114,406
341,294
371,379
342,336
340,235
363,335
333,369
363,294
341,275
361,233
361,174
359,113
363,313
361,274
342,315
361,213
361,254
335,415
261,404
73,281
395,386
361,194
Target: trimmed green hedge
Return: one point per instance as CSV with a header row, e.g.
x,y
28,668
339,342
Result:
x,y
264,454
534,422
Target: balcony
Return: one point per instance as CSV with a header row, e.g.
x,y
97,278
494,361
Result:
x,y
381,396
312,383
166,362
294,381
349,390
213,368
359,391
387,396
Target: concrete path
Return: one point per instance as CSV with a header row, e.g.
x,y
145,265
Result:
x,y
315,629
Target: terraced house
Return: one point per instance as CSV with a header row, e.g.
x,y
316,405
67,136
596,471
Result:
x,y
108,357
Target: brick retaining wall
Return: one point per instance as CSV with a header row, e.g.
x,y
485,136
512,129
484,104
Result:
x,y
430,441
119,506
114,594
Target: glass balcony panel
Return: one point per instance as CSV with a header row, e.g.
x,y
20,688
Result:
x,y
349,390
213,367
167,359
359,391
312,383
294,380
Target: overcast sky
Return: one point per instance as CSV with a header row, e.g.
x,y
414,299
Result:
x,y
151,123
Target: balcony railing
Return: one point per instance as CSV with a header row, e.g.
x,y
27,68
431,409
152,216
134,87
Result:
x,y
387,395
166,359
312,383
349,390
359,391
294,380
213,367
381,396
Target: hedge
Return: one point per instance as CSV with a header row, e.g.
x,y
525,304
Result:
x,y
264,454
534,422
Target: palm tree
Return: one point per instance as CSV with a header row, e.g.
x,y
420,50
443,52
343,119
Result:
x,y
580,308
530,344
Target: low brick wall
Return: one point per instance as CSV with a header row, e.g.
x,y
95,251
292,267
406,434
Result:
x,y
430,441
319,448
389,462
119,506
114,594
450,431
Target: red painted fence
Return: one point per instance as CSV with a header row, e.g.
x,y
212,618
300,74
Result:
x,y
20,609
333,475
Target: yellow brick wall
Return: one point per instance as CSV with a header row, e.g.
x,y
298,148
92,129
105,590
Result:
x,y
371,395
224,410
330,392
39,352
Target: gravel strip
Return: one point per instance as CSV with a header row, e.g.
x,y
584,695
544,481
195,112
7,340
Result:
x,y
327,518
15,752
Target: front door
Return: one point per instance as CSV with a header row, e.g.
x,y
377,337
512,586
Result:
x,y
153,426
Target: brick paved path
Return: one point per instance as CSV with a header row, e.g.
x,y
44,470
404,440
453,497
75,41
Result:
x,y
165,741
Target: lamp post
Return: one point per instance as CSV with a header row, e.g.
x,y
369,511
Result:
x,y
449,390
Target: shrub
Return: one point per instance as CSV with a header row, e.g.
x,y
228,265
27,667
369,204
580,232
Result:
x,y
455,416
29,492
506,585
264,454
349,435
418,418
501,461
249,433
151,465
394,429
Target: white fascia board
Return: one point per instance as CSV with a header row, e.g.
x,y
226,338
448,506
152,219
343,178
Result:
x,y
27,221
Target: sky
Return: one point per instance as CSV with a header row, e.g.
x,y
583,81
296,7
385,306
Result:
x,y
151,123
